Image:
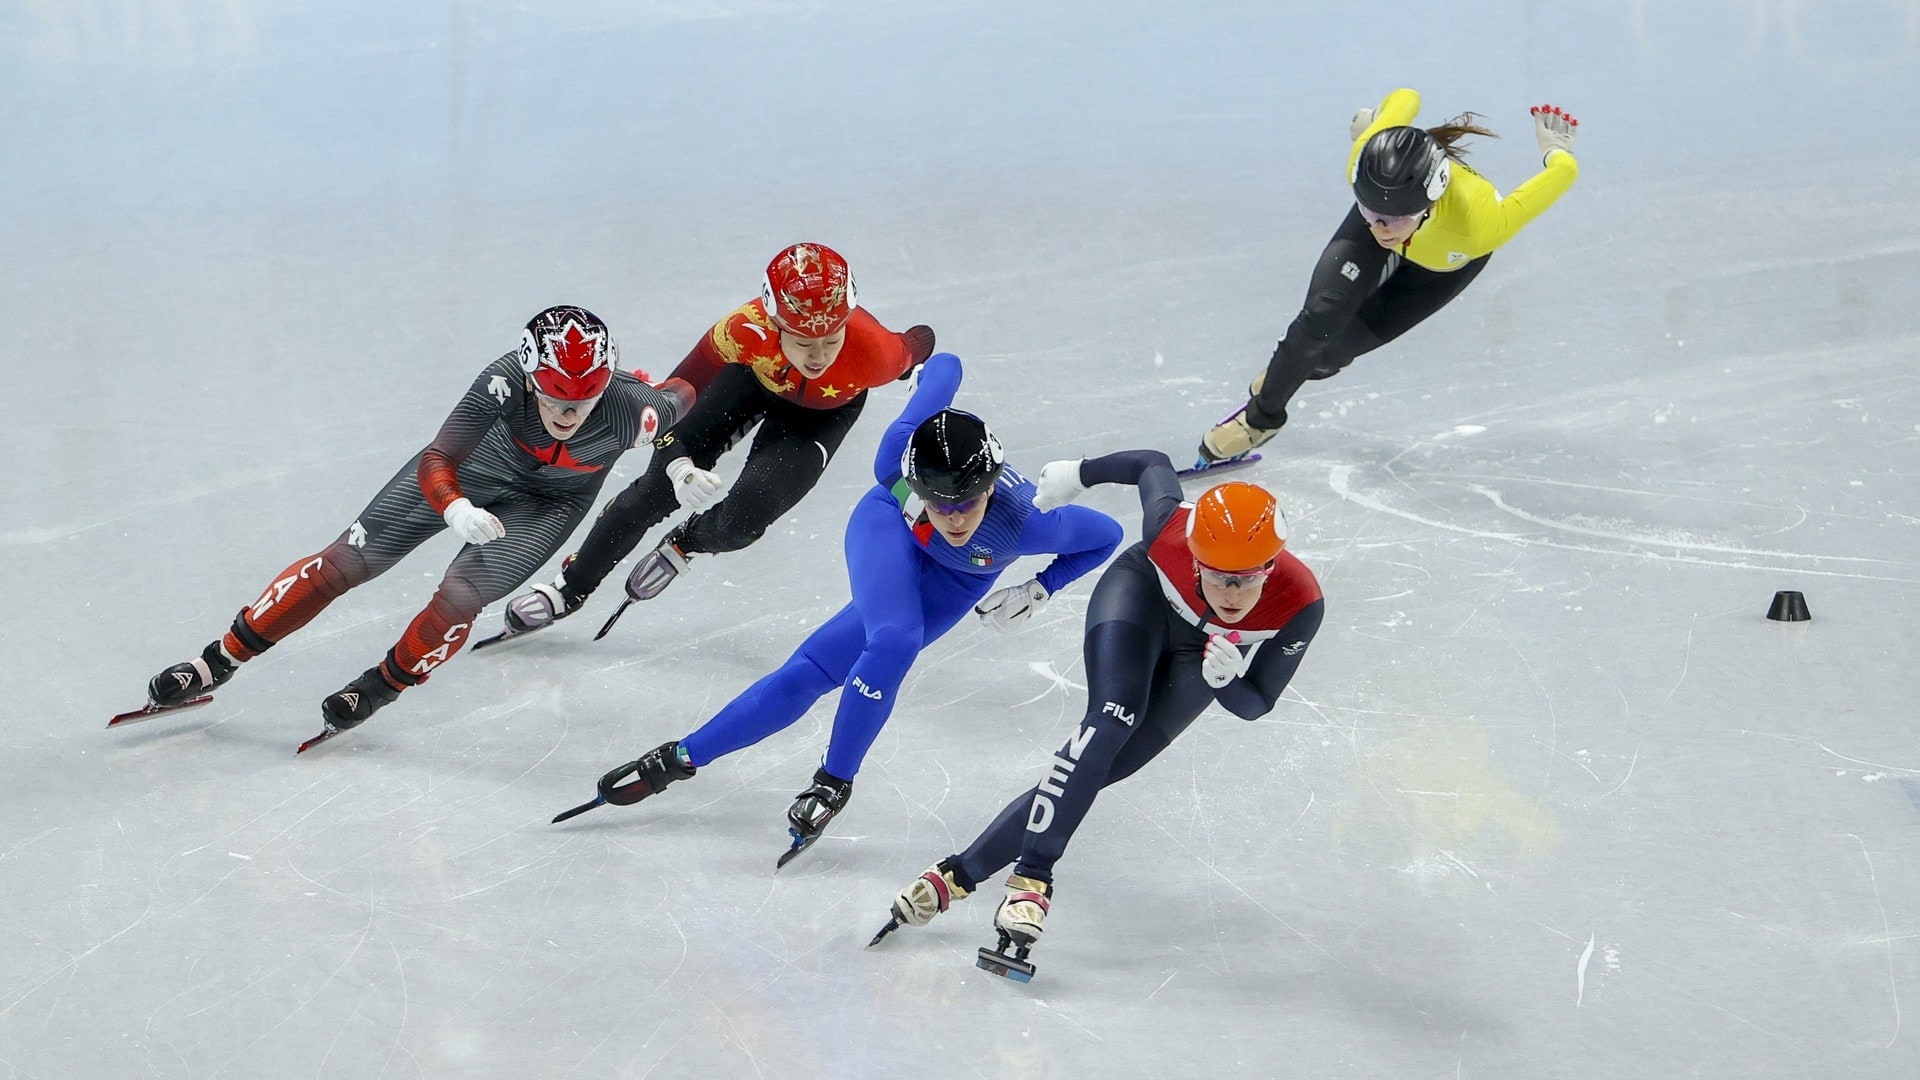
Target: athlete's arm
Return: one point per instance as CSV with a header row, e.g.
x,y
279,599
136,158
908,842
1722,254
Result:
x,y
1149,470
1396,110
939,381
1081,537
1531,199
704,360
1253,695
499,384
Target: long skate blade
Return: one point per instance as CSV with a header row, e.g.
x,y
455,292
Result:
x,y
325,734
799,845
498,638
992,959
578,810
150,710
892,925
1203,467
614,618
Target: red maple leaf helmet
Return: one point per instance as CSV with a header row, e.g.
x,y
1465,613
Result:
x,y
568,352
808,291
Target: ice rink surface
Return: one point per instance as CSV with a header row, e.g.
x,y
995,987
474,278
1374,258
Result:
x,y
1549,798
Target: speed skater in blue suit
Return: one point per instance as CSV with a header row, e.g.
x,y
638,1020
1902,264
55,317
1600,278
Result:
x,y
924,546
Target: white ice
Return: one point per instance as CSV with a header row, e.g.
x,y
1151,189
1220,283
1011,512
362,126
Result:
x,y
1549,798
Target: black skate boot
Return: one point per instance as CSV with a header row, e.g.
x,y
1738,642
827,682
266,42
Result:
x,y
182,682
348,707
183,686
812,810
653,770
1020,919
655,571
190,685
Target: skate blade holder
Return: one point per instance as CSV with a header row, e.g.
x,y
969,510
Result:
x,y
150,710
1013,965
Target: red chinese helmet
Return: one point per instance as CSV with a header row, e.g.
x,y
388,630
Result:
x,y
568,353
808,291
1235,527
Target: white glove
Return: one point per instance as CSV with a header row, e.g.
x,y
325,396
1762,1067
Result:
x,y
1009,609
1059,484
1358,124
1553,130
471,523
1222,662
696,488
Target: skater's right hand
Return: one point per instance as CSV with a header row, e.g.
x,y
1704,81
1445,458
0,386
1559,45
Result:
x,y
1008,609
1222,663
1058,485
471,523
1553,130
1361,118
696,488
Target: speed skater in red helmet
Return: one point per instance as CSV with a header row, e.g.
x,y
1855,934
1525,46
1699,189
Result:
x,y
792,368
513,469
1422,227
1209,607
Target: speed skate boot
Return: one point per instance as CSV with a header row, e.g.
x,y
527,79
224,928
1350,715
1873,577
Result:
x,y
931,893
813,810
1234,437
546,604
182,683
350,706
652,771
1019,921
654,572
539,608
657,568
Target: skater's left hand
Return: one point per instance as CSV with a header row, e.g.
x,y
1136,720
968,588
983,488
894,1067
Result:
x,y
1058,485
1009,609
1553,130
1222,663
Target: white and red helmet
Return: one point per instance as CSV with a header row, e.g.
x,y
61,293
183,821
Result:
x,y
568,352
808,291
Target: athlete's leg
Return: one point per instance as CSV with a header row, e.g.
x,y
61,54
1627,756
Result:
x,y
891,577
829,655
783,696
1126,637
1408,298
789,453
398,520
1348,271
720,416
482,573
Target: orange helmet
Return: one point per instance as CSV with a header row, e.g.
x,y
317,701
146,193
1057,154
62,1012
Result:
x,y
1235,526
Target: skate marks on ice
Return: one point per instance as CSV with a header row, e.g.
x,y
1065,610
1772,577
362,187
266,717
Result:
x,y
1682,549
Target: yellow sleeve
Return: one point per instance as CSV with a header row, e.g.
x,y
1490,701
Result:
x,y
1531,199
1396,110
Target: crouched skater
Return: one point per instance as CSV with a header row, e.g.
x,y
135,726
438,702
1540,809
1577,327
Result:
x,y
512,471
924,547
1207,607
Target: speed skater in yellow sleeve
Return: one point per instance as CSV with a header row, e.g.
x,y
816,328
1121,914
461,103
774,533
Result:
x,y
1421,229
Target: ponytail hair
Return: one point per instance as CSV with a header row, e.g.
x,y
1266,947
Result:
x,y
1450,133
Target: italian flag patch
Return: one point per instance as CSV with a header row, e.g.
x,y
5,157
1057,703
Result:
x,y
978,559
